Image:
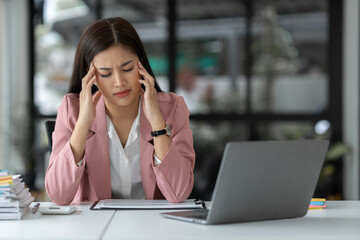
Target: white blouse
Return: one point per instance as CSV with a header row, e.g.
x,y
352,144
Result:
x,y
125,162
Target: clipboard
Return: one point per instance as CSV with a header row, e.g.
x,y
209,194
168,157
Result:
x,y
142,204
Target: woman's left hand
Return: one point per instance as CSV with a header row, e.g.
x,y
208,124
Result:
x,y
150,104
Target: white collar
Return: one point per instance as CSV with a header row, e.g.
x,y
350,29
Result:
x,y
134,131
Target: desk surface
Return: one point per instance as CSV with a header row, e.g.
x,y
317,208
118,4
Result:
x,y
83,224
341,218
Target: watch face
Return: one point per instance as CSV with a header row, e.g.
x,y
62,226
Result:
x,y
168,131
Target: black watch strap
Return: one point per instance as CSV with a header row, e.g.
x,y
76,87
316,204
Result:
x,y
165,131
158,133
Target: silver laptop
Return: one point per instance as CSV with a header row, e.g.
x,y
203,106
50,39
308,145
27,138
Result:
x,y
263,180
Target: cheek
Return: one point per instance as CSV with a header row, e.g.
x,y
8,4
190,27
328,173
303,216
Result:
x,y
135,77
138,86
103,85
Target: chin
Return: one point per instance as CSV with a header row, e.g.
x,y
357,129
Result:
x,y
122,102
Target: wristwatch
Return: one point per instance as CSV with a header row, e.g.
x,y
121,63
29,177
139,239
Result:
x,y
164,131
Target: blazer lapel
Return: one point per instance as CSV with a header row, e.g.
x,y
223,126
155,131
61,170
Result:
x,y
97,149
100,119
146,155
145,127
146,150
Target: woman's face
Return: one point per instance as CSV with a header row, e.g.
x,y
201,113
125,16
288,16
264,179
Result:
x,y
117,76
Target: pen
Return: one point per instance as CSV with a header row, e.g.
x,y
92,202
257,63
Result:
x,y
36,207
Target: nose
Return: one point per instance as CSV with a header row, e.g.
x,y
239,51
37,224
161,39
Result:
x,y
119,80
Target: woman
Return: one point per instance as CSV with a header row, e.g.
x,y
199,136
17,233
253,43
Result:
x,y
117,135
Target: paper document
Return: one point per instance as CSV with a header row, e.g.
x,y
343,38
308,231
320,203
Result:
x,y
134,204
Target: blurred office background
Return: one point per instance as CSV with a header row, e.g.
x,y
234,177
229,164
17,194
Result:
x,y
248,70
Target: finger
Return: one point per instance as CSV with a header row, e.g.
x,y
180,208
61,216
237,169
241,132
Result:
x,y
90,83
89,73
146,83
96,81
142,91
87,77
143,71
147,77
96,97
140,65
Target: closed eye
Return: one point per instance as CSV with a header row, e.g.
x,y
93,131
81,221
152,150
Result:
x,y
105,76
128,70
108,75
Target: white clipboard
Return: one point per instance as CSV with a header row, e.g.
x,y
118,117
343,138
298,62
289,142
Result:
x,y
141,204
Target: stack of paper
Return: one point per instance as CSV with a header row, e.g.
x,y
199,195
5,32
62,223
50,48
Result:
x,y
317,203
14,197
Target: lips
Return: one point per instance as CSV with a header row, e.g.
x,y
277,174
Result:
x,y
122,93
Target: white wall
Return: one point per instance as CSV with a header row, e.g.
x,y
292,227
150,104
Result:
x,y
351,98
15,83
1,72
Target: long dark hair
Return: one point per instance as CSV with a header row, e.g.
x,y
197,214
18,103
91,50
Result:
x,y
99,36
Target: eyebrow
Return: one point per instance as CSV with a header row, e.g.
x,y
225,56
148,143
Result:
x,y
122,65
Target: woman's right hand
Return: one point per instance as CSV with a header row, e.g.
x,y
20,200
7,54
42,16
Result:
x,y
88,101
87,115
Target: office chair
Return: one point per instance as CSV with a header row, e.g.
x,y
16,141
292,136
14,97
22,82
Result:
x,y
50,125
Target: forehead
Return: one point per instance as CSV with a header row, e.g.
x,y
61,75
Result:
x,y
116,54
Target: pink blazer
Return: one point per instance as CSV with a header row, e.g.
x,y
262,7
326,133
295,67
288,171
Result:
x,y
173,179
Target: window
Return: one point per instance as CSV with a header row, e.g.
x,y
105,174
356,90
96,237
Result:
x,y
290,73
248,70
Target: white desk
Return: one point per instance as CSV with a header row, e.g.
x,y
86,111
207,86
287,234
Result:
x,y
341,220
83,224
